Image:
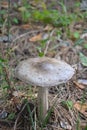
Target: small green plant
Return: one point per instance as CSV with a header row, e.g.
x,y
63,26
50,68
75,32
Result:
x,y
2,13
78,124
83,59
85,127
44,123
11,116
41,47
68,104
53,17
30,114
41,53
59,18
25,11
64,9
76,35
25,14
15,20
85,45
79,42
77,4
5,82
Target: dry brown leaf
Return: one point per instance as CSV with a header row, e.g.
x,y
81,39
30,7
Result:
x,y
25,26
36,38
81,107
51,53
14,101
48,28
4,4
14,48
84,36
18,94
79,85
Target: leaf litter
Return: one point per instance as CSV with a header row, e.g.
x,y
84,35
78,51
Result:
x,y
24,45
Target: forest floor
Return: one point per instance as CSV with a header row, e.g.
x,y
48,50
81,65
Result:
x,y
33,39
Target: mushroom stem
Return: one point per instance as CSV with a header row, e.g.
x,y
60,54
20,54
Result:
x,y
42,103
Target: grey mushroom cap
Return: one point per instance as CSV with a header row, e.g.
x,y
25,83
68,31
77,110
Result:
x,y
44,71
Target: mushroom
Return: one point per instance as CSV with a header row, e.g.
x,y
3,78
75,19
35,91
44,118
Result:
x,y
43,72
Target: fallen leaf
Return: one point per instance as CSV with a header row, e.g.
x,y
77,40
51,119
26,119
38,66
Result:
x,y
76,35
18,94
4,4
22,9
83,36
79,85
48,28
81,107
14,48
83,59
78,25
82,81
14,100
25,26
36,38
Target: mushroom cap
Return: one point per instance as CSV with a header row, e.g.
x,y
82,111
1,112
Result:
x,y
44,71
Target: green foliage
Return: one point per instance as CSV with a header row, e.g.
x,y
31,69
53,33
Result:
x,y
41,47
30,114
44,123
2,13
82,15
56,17
85,46
26,4
5,82
53,17
68,104
79,42
83,59
25,14
15,20
78,124
85,128
63,7
77,4
2,61
11,116
76,35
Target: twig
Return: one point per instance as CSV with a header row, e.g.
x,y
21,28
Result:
x,y
48,42
22,35
45,51
19,116
8,18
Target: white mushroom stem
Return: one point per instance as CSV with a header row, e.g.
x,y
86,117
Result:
x,y
42,102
